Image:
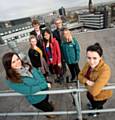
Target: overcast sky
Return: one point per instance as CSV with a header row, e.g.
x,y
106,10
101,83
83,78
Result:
x,y
14,9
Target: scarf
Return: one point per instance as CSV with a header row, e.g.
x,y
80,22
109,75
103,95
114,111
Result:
x,y
39,51
24,71
87,75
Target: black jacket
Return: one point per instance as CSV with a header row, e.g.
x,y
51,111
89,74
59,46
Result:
x,y
56,35
34,58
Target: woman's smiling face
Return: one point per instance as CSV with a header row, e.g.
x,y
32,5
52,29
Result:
x,y
16,62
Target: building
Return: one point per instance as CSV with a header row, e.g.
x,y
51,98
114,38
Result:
x,y
92,20
113,12
62,11
91,7
106,11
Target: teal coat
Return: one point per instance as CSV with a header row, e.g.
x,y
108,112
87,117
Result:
x,y
30,86
71,51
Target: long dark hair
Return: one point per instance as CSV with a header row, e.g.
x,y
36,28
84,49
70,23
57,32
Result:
x,y
11,74
49,32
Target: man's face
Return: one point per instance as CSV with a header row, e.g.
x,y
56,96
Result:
x,y
58,24
36,27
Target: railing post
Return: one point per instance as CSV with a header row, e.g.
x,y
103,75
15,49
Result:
x,y
77,104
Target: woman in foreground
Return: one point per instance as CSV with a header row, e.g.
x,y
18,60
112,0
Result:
x,y
26,80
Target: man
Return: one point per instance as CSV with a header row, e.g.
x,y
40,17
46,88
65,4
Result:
x,y
58,34
59,29
37,33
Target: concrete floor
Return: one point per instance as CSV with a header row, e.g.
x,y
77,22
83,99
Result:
x,y
18,104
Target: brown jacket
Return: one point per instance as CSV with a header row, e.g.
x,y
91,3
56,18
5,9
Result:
x,y
100,75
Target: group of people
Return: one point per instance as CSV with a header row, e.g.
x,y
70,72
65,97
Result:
x,y
50,52
57,48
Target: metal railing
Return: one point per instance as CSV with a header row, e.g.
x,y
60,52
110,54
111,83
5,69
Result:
x,y
75,93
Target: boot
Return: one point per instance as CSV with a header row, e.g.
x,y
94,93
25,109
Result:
x,y
51,116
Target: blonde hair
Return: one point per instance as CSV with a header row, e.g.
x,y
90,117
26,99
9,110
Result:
x,y
37,48
30,38
68,33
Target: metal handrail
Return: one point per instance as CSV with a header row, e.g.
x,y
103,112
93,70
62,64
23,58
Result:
x,y
76,95
71,90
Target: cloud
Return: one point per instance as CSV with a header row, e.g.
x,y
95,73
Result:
x,y
14,9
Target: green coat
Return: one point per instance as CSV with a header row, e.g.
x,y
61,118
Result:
x,y
71,51
30,86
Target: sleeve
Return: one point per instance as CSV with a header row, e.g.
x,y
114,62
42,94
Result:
x,y
35,60
30,54
54,35
27,89
102,80
64,52
21,88
81,76
77,49
29,86
58,51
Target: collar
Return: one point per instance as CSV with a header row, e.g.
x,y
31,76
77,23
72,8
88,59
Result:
x,y
101,63
24,71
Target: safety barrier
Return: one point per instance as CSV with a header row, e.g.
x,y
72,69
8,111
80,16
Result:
x,y
76,95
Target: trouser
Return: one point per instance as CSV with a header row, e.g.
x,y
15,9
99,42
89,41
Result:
x,y
64,69
56,70
95,104
51,69
74,69
44,105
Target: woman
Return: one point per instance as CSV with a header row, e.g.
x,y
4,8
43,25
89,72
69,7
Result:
x,y
26,80
36,56
71,52
95,75
52,54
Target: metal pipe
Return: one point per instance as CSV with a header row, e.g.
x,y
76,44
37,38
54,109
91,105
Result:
x,y
75,96
38,113
56,91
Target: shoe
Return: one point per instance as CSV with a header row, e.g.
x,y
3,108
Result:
x,y
52,104
82,119
59,80
49,82
89,106
73,78
74,81
67,79
51,116
93,114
